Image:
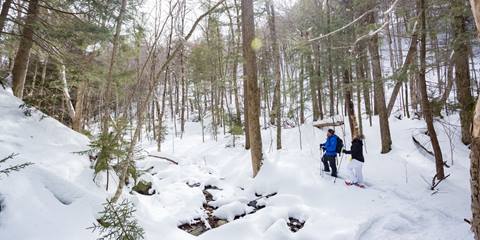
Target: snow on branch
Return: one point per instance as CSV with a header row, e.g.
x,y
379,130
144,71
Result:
x,y
391,8
342,28
370,34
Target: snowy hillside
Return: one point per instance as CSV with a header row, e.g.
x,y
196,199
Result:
x,y
56,198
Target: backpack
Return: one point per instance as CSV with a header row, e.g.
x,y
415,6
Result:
x,y
339,146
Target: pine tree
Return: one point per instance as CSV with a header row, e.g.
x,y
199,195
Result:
x,y
117,222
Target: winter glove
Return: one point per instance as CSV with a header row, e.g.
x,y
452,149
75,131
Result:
x,y
344,151
322,145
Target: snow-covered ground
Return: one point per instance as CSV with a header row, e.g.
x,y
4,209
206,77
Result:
x,y
57,199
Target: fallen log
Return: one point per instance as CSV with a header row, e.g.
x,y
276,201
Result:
x,y
164,158
428,151
328,124
418,144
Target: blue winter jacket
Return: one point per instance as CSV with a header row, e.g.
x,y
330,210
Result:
x,y
331,146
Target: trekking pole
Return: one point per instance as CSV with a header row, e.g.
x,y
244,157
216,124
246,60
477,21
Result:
x,y
340,164
321,159
343,147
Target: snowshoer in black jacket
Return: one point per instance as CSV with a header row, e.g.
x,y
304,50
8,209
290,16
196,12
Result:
x,y
356,163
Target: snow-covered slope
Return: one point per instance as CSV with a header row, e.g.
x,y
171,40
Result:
x,y
57,199
54,198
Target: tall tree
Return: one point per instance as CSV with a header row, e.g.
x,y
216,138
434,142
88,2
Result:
x,y
19,71
4,13
462,71
276,105
253,97
113,56
379,90
352,119
330,65
475,149
422,85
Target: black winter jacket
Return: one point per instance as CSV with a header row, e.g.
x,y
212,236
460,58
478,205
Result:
x,y
356,150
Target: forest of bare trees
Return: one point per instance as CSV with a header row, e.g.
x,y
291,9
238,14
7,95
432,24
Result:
x,y
240,66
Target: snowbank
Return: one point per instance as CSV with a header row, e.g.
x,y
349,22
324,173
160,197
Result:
x,y
57,199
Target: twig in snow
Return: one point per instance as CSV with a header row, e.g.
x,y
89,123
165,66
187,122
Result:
x,y
435,184
11,156
14,168
467,221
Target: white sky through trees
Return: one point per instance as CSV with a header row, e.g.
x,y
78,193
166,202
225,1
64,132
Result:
x,y
194,9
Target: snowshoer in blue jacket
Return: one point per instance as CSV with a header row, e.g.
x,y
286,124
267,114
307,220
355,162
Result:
x,y
330,152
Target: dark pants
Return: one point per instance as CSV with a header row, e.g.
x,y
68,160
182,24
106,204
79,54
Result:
x,y
330,160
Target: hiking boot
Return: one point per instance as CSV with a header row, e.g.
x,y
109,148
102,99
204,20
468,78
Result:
x,y
349,183
359,185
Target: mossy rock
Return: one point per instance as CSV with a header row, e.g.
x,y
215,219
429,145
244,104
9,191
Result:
x,y
144,187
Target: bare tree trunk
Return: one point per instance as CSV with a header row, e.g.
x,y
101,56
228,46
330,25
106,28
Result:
x,y
462,72
427,112
77,122
319,83
4,14
276,113
184,85
66,94
43,75
19,71
413,87
313,82
366,83
352,119
379,90
330,67
236,46
248,29
245,106
302,97
34,78
475,149
108,91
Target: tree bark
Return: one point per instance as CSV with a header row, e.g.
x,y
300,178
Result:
x,y
19,71
319,82
427,112
275,113
248,30
352,119
77,122
379,90
4,14
300,85
108,88
475,149
66,94
313,82
462,71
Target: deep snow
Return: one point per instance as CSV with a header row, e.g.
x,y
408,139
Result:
x,y
57,199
